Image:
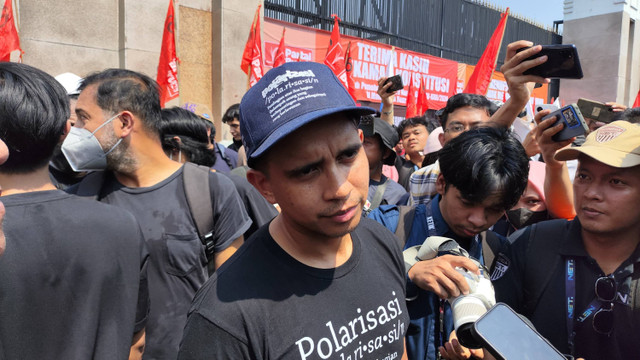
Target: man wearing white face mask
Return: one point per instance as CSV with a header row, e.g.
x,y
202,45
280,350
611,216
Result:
x,y
118,113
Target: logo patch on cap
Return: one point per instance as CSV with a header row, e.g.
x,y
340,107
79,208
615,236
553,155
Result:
x,y
501,265
608,133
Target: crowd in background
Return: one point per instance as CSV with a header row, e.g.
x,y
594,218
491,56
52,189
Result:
x,y
129,232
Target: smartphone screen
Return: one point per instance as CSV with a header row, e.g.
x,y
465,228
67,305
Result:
x,y
509,337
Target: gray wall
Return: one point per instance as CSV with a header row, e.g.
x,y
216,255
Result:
x,y
87,36
609,49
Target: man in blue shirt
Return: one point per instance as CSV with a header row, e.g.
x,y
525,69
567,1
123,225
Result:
x,y
483,173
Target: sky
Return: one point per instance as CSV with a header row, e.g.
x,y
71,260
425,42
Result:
x,y
541,11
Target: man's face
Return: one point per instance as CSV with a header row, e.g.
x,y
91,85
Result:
x,y
461,120
464,218
606,198
90,116
414,138
319,176
234,129
373,150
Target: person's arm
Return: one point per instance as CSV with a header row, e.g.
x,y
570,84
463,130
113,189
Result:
x,y
220,257
137,345
387,100
513,70
558,190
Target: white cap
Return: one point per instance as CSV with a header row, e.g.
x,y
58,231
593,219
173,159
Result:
x,y
70,82
433,142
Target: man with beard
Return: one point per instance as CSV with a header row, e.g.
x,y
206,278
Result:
x,y
318,281
117,128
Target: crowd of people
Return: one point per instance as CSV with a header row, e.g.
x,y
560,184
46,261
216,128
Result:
x,y
127,231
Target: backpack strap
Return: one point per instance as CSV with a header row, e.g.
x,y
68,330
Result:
x,y
91,185
405,223
539,265
369,206
196,179
490,245
377,197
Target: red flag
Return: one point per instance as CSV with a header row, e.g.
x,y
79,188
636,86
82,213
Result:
x,y
411,101
168,67
280,57
8,33
252,57
349,68
334,58
637,102
247,55
481,76
421,104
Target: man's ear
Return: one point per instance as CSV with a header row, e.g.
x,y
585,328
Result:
x,y
361,135
262,183
128,120
65,132
441,185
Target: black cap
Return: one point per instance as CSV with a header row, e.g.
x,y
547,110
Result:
x,y
387,133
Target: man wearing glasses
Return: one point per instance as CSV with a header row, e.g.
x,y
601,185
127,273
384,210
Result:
x,y
463,112
577,281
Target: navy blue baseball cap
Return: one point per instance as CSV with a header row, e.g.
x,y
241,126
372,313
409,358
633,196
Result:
x,y
287,98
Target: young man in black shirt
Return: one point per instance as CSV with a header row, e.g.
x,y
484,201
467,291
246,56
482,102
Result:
x,y
73,275
319,281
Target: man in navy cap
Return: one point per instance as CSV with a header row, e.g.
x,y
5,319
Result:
x,y
318,281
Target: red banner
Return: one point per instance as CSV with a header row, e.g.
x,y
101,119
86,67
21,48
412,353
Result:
x,y
168,67
369,61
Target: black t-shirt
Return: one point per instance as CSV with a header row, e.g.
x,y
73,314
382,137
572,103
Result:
x,y
260,211
547,309
71,278
264,304
178,263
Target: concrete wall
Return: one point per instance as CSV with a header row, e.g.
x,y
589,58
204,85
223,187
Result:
x,y
607,35
88,36
610,60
